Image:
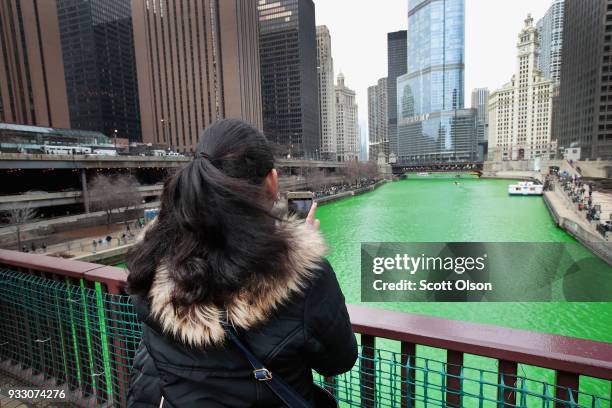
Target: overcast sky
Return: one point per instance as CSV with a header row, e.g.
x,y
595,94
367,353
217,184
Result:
x,y
359,30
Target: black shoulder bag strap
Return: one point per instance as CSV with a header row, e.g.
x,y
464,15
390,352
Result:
x,y
280,388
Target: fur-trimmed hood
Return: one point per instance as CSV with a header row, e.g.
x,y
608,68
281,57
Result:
x,y
200,325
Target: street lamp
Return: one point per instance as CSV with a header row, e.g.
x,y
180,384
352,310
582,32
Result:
x,y
115,137
163,122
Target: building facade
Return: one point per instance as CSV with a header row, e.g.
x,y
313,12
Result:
x,y
432,124
32,84
397,64
520,112
289,81
198,62
347,126
550,31
99,66
325,71
480,102
583,115
378,120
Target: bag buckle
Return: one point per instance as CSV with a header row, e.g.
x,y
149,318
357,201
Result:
x,y
262,374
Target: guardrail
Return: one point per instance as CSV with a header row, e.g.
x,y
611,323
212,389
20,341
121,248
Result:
x,y
68,324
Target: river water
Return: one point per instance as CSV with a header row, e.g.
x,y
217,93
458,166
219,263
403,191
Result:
x,y
434,209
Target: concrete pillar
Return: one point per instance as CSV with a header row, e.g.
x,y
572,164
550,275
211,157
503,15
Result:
x,y
84,190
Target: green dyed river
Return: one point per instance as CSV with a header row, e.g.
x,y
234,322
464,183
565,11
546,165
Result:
x,y
434,209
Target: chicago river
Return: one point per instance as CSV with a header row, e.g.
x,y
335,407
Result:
x,y
434,209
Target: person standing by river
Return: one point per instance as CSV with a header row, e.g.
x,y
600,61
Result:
x,y
217,265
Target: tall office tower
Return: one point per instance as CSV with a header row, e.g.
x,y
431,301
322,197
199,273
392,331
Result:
x,y
99,66
550,30
289,83
198,61
584,116
347,127
325,70
480,102
520,112
32,86
378,119
373,143
432,124
363,144
397,64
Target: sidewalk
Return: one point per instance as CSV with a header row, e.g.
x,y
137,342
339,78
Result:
x,y
571,220
67,219
566,209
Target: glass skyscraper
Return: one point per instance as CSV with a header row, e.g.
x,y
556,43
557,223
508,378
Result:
x,y
100,67
432,124
289,80
550,32
396,66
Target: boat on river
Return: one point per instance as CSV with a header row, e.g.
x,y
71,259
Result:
x,y
526,188
423,174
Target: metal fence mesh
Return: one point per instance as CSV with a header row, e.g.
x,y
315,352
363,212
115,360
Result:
x,y
65,333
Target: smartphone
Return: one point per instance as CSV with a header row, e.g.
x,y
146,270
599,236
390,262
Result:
x,y
299,203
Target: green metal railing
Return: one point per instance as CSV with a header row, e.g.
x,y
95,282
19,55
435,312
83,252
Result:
x,y
70,332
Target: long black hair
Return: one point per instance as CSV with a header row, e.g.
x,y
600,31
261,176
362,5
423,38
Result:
x,y
214,231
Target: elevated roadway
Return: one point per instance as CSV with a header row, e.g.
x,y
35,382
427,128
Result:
x,y
50,161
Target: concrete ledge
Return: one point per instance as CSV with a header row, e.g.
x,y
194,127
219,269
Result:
x,y
593,241
109,256
345,194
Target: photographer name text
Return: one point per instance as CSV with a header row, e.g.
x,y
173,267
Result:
x,y
412,265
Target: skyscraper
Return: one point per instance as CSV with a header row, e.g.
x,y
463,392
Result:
x,y
99,65
377,119
584,116
520,112
397,63
32,85
289,81
325,70
550,30
480,102
197,62
347,127
432,124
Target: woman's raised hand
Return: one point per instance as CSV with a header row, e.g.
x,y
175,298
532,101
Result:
x,y
311,217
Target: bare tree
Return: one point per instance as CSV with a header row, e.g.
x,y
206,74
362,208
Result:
x,y
315,178
109,194
351,172
370,170
17,216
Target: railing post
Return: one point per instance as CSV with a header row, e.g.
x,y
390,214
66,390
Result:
x,y
330,385
454,362
507,376
408,375
367,371
567,388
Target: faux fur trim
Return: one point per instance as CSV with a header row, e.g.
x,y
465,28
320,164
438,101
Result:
x,y
200,325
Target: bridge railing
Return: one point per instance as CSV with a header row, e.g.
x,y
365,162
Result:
x,y
67,324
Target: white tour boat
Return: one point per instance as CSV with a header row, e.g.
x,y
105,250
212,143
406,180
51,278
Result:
x,y
423,174
525,188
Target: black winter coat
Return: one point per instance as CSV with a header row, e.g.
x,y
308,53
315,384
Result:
x,y
293,325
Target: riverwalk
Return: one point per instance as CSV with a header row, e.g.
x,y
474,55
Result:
x,y
571,220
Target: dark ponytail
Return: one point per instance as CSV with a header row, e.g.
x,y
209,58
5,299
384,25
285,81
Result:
x,y
215,230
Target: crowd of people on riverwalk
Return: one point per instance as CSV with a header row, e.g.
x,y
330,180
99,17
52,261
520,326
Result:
x,y
126,236
338,188
581,194
93,245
